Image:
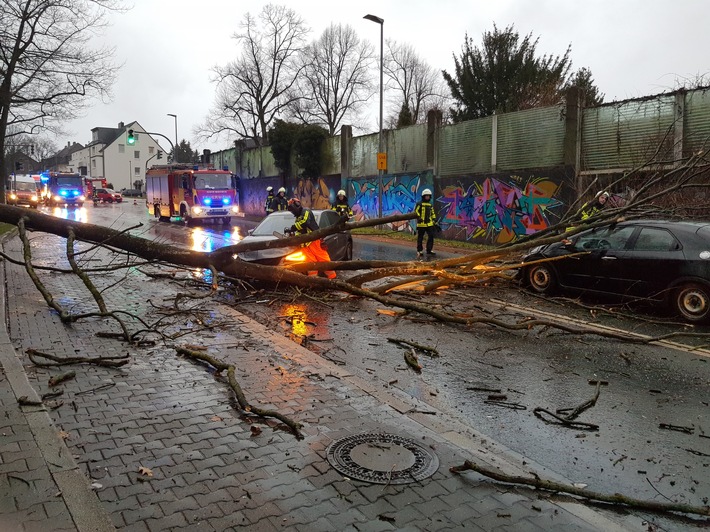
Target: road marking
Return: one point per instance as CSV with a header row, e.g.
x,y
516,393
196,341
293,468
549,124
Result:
x,y
565,319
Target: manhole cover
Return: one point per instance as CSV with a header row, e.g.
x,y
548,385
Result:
x,y
382,459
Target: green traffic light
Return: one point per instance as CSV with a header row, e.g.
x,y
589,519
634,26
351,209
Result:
x,y
131,140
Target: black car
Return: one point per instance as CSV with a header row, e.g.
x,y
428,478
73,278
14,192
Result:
x,y
650,260
131,193
339,245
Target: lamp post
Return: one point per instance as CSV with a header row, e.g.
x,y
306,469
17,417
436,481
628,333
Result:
x,y
176,138
380,153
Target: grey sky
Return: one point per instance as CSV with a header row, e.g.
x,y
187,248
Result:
x,y
167,47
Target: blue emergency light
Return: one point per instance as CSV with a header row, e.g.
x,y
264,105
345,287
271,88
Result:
x,y
207,201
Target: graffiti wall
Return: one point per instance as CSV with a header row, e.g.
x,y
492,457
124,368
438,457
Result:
x,y
316,193
399,195
501,208
252,194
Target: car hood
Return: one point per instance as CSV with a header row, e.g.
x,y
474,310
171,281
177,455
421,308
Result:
x,y
262,254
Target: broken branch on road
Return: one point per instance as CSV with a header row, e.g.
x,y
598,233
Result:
x,y
551,485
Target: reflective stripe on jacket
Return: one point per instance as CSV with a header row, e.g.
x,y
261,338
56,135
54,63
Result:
x,y
426,217
306,223
267,203
279,204
342,208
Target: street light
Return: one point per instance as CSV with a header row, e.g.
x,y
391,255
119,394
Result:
x,y
176,138
381,150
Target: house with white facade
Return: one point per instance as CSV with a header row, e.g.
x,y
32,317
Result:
x,y
109,156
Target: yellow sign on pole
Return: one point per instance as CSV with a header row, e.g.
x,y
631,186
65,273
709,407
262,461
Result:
x,y
382,161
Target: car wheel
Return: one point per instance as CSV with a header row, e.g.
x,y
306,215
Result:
x,y
110,200
184,216
541,278
692,302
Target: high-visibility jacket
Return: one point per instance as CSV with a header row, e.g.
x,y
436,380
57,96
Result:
x,y
426,217
267,203
279,203
342,208
305,223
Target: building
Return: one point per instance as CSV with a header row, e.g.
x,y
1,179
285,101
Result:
x,y
109,156
61,161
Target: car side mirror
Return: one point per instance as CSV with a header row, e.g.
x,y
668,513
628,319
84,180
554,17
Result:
x,y
250,231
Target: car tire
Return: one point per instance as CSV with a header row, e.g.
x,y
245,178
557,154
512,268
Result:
x,y
691,302
541,278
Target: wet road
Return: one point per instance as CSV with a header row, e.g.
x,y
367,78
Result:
x,y
644,387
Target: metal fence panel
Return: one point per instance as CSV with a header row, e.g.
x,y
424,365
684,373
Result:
x,y
406,149
697,122
364,155
465,148
533,138
628,134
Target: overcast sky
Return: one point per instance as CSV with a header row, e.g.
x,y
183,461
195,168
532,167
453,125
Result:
x,y
167,47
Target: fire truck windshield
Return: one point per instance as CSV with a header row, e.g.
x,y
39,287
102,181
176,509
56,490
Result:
x,y
213,181
21,185
69,181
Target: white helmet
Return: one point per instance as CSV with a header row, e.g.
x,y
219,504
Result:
x,y
341,193
426,192
269,189
282,189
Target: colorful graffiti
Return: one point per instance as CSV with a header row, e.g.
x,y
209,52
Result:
x,y
498,212
399,195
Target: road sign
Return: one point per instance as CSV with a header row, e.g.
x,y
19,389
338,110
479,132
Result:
x,y
382,161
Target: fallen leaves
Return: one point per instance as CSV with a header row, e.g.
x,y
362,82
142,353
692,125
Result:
x,y
145,471
64,435
255,431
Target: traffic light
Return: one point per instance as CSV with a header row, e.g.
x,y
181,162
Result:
x,y
131,140
160,154
32,149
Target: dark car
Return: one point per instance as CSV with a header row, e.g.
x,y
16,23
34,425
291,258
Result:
x,y
650,260
131,193
339,245
108,195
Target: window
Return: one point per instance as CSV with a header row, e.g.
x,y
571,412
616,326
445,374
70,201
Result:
x,y
151,149
137,170
121,148
137,154
605,239
654,239
93,163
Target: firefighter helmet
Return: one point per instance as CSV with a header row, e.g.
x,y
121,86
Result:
x,y
294,206
426,192
269,189
282,189
341,193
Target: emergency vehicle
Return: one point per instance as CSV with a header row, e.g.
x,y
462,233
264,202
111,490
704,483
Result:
x,y
23,190
191,192
60,188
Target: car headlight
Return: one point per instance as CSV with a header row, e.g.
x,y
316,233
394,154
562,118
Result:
x,y
196,210
82,198
34,198
13,196
235,209
296,256
58,198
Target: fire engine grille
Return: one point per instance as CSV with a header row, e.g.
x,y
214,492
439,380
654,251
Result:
x,y
382,459
219,212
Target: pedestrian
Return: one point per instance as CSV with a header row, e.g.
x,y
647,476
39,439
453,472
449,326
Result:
x,y
426,223
269,200
279,203
341,205
595,206
306,223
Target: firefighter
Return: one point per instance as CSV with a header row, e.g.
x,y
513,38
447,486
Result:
x,y
280,203
341,205
426,223
269,200
306,223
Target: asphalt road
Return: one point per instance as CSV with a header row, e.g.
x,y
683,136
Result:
x,y
644,386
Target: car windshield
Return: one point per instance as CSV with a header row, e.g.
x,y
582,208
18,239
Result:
x,y
71,181
110,191
25,186
274,223
213,181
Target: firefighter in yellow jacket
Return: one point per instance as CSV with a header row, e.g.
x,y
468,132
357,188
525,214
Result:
x,y
306,223
426,223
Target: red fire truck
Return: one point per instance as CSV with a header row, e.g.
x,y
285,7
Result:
x,y
191,192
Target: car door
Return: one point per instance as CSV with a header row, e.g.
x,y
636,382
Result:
x,y
654,259
335,243
601,269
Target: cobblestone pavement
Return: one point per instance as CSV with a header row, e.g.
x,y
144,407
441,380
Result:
x,y
77,466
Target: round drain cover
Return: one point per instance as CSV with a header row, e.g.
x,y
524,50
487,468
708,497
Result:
x,y
382,458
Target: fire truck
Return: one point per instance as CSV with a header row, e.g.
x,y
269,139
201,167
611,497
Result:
x,y
190,192
59,188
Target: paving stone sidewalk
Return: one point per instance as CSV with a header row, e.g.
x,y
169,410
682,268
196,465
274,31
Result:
x,y
78,466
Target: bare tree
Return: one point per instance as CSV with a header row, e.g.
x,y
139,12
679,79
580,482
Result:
x,y
418,85
47,65
336,78
254,90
